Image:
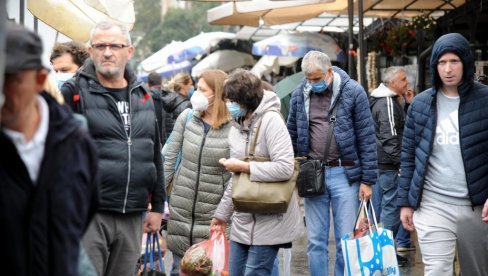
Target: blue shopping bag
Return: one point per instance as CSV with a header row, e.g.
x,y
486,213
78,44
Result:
x,y
371,253
152,269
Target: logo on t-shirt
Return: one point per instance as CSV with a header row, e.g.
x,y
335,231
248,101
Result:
x,y
447,131
123,107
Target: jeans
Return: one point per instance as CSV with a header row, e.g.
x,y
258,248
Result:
x,y
403,237
255,260
175,266
390,212
343,199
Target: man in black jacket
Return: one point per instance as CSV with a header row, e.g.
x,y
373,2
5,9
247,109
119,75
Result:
x,y
121,118
48,169
154,82
388,115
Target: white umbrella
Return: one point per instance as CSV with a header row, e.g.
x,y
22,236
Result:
x,y
76,18
198,45
160,58
224,60
252,13
170,70
268,64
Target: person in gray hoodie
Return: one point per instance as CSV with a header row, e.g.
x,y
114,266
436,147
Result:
x,y
256,238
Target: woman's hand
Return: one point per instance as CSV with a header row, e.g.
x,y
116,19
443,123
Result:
x,y
235,165
217,225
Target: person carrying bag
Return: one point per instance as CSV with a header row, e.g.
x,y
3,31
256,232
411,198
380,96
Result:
x,y
310,180
369,249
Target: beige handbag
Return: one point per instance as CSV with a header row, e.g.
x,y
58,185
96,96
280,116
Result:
x,y
261,197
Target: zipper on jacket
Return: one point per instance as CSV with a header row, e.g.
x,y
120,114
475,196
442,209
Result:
x,y
197,185
129,144
252,228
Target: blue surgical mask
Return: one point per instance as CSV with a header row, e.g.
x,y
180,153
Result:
x,y
61,78
235,110
319,87
190,91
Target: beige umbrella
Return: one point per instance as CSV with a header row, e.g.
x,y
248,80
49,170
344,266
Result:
x,y
271,12
75,18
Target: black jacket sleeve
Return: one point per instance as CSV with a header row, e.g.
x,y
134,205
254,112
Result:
x,y
158,194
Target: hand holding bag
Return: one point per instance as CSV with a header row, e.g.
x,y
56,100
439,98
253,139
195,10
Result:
x,y
150,248
261,197
311,178
369,253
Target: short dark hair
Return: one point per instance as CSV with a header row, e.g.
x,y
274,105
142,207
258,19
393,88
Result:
x,y
154,79
77,51
243,87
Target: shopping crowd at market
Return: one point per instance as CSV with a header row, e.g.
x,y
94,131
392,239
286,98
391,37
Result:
x,y
94,159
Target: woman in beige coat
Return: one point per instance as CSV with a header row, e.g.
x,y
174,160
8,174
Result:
x,y
256,238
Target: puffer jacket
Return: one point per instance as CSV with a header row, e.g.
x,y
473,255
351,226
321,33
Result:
x,y
353,131
173,104
130,166
200,180
420,125
273,142
389,119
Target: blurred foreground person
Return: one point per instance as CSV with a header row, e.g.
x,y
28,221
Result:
x,y
444,163
48,169
121,118
256,238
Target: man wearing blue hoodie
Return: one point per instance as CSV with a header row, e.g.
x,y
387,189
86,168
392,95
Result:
x,y
444,163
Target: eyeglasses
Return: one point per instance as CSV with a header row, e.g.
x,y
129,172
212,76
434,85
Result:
x,y
111,46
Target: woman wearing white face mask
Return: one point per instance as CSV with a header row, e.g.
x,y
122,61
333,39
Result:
x,y
200,180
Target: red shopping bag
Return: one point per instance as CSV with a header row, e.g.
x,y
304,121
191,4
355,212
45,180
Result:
x,y
210,257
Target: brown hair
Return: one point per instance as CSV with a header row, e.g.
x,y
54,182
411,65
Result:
x,y
215,80
178,81
77,51
243,87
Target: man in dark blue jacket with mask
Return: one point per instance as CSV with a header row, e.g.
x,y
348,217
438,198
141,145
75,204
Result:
x,y
444,163
351,163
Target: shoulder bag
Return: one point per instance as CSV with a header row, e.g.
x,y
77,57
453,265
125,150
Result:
x,y
261,197
311,179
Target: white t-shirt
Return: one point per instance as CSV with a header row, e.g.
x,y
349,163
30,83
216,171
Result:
x,y
445,179
32,152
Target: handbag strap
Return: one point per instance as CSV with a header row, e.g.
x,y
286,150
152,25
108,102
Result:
x,y
330,130
252,147
161,263
148,244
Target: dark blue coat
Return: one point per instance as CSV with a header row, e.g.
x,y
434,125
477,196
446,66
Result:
x,y
421,121
354,129
41,225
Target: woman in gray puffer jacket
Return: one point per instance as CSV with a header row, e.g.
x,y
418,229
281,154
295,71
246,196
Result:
x,y
200,181
256,238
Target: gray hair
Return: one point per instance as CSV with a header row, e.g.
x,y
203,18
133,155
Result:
x,y
390,73
107,25
314,60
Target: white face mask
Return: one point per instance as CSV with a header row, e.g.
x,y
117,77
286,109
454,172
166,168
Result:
x,y
199,101
61,78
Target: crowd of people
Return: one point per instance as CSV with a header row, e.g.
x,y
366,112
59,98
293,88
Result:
x,y
83,172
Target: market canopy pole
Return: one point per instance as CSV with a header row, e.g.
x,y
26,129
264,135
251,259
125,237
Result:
x,y
350,49
362,71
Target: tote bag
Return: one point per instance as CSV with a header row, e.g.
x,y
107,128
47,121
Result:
x,y
372,253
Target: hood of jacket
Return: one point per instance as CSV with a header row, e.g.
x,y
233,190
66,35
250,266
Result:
x,y
458,45
269,102
381,91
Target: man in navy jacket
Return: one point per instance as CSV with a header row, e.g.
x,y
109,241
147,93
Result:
x,y
48,169
351,163
444,163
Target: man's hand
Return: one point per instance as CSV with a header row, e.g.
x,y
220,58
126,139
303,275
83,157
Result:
x,y
217,225
235,165
406,216
484,213
365,192
152,223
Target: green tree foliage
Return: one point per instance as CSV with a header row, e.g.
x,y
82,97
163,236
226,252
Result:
x,y
178,24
